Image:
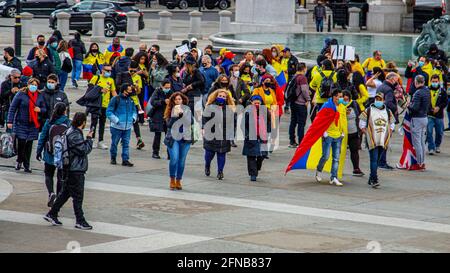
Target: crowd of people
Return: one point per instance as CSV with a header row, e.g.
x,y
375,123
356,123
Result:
x,y
196,95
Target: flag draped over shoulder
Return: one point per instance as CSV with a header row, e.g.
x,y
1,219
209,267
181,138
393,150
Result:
x,y
309,151
281,86
408,157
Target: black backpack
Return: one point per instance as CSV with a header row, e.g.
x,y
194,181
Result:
x,y
326,85
291,90
67,65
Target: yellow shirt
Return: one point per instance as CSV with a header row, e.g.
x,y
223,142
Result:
x,y
434,97
138,84
269,100
362,97
370,63
317,81
106,83
357,67
336,131
246,78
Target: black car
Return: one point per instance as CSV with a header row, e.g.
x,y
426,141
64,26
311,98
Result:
x,y
37,7
184,4
115,20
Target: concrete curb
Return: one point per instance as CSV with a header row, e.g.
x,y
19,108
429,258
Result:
x,y
5,190
181,10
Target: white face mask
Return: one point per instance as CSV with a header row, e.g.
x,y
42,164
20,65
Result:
x,y
274,54
177,74
236,74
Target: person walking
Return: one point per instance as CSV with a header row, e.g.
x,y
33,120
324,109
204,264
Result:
x,y
178,138
321,80
79,149
52,48
122,113
66,64
113,51
319,16
9,88
238,88
52,95
377,122
78,52
439,101
58,122
418,109
93,62
210,74
42,68
176,83
33,51
23,119
10,59
217,137
194,83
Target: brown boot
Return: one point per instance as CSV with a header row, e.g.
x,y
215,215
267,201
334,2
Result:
x,y
178,184
173,185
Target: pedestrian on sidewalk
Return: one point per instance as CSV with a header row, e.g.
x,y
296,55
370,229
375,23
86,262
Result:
x,y
148,3
78,53
377,122
319,16
122,113
439,101
79,148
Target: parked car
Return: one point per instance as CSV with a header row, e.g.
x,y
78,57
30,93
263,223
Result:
x,y
37,7
115,20
184,4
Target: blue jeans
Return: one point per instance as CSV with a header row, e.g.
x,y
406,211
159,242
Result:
x,y
178,153
335,145
438,125
116,136
76,71
375,155
319,24
62,80
221,158
448,117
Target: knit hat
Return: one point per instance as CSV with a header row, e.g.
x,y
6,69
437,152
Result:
x,y
190,59
27,71
230,55
256,97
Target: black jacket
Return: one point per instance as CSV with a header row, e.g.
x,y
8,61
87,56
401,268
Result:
x,y
156,122
41,70
222,144
421,101
198,85
121,66
14,63
410,74
78,49
389,98
52,97
438,55
442,102
123,78
32,53
6,96
254,146
292,67
79,148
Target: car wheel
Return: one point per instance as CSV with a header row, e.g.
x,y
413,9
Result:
x,y
110,29
183,4
11,12
83,31
223,4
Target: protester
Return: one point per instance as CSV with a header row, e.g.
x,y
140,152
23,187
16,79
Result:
x,y
176,83
79,148
248,59
93,62
79,50
114,50
210,74
436,54
66,64
58,123
52,47
122,63
53,95
354,136
267,92
371,62
373,83
325,75
143,71
439,101
9,88
194,84
33,51
377,122
158,70
227,62
42,68
246,74
423,67
10,59
23,119
238,88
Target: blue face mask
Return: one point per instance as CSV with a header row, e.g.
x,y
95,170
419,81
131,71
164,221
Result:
x,y
107,74
54,45
166,91
435,85
421,63
50,86
220,101
341,101
378,104
32,88
345,103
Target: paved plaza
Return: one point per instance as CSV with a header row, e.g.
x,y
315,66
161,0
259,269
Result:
x,y
132,209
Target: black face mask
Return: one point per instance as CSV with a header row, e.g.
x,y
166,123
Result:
x,y
224,84
204,64
269,85
41,43
94,50
193,45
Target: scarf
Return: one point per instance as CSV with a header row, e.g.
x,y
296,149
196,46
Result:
x,y
260,123
32,114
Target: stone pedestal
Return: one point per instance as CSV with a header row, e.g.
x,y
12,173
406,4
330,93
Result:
x,y
62,20
385,16
132,27
301,17
98,27
353,22
27,26
165,18
195,25
225,21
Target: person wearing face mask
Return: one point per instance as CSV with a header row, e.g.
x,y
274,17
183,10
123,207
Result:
x,y
79,149
93,62
227,62
79,50
210,74
174,78
267,92
8,90
11,60
436,54
217,132
52,95
66,67
439,101
42,68
194,44
377,122
122,113
158,70
52,47
238,87
423,67
159,101
33,51
108,89
222,82
23,119
114,50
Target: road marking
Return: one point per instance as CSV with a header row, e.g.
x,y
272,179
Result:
x,y
5,190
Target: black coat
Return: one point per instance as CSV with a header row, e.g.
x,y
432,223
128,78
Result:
x,y
78,49
79,148
156,122
14,63
92,99
241,91
223,144
442,102
421,101
6,96
252,146
169,139
389,98
52,97
41,70
198,85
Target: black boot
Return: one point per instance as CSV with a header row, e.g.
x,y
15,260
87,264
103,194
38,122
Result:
x,y
207,171
220,176
18,166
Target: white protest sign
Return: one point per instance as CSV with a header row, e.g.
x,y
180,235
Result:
x,y
182,49
342,52
4,72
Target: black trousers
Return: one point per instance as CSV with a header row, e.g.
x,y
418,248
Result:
x,y
24,148
254,164
141,102
99,119
157,143
314,110
299,113
73,187
354,142
49,171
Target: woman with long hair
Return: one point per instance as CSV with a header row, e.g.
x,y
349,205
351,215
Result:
x,y
58,123
66,65
158,70
217,140
173,76
143,70
93,62
178,140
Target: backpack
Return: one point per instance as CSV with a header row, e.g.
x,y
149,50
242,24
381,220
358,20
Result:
x,y
326,84
55,132
61,151
67,65
291,90
7,147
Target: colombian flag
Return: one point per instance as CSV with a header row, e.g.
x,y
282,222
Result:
x,y
309,151
146,98
281,86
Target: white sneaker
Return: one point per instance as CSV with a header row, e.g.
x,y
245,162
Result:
x,y
318,177
431,152
94,145
101,145
336,182
438,150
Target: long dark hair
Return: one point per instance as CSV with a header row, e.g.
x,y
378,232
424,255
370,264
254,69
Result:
x,y
138,56
90,49
58,111
162,62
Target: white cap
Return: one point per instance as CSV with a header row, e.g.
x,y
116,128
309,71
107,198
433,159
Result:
x,y
193,39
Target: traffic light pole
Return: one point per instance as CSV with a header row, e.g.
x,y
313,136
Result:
x,y
18,31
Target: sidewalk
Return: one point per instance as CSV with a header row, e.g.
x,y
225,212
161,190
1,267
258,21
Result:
x,y
155,8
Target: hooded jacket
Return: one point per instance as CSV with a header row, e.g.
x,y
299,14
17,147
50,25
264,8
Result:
x,y
52,97
14,63
43,137
121,112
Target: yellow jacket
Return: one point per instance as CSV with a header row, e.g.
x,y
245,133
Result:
x,y
269,101
91,59
109,52
370,63
317,81
107,83
336,131
363,96
357,67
